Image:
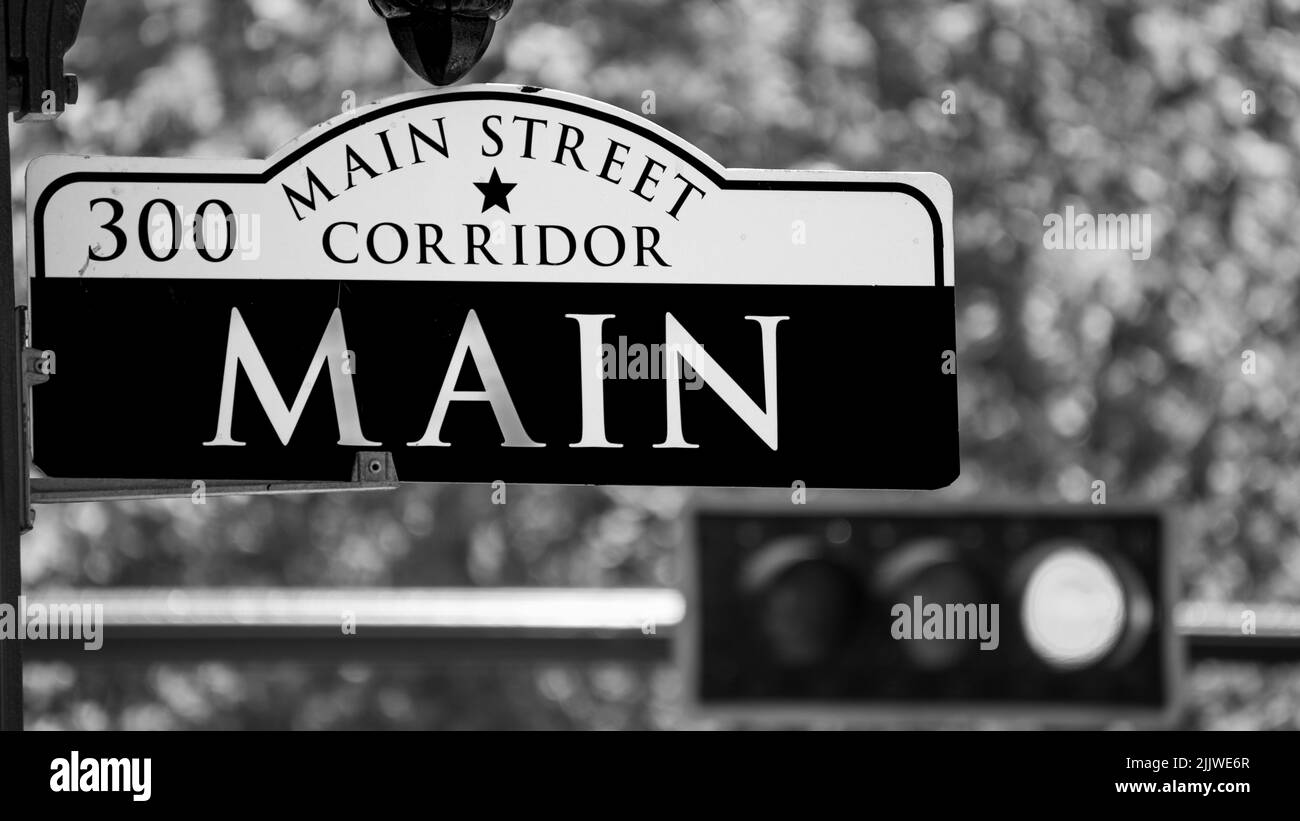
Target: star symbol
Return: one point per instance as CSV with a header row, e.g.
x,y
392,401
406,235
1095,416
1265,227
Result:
x,y
495,192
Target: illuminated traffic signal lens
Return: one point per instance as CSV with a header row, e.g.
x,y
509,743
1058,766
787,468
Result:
x,y
1073,607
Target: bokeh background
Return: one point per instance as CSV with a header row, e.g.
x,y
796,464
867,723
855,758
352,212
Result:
x,y
1074,366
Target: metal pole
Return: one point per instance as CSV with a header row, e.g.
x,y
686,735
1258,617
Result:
x,y
454,625
12,460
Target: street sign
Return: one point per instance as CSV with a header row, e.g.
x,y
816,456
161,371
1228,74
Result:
x,y
492,283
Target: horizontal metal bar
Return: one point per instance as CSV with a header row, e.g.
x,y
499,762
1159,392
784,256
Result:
x,y
1240,631
371,470
58,491
402,625
420,625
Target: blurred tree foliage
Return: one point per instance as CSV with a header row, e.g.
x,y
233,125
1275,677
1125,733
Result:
x,y
1075,367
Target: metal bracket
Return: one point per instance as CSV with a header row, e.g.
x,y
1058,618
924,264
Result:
x,y
374,468
38,366
441,40
40,32
371,470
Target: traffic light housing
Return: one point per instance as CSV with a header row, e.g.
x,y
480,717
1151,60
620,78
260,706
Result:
x,y
1061,615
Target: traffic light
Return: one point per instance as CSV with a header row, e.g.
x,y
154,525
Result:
x,y
1056,614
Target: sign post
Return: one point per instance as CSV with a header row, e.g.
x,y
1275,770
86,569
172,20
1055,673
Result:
x,y
492,283
12,463
34,37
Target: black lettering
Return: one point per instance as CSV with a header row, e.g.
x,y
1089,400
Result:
x,y
441,148
645,177
642,248
591,252
145,244
388,150
611,161
355,163
426,246
496,138
232,232
329,248
374,251
119,236
686,192
471,245
541,239
528,134
565,131
313,184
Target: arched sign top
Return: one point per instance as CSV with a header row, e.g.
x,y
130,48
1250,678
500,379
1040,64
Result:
x,y
408,188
